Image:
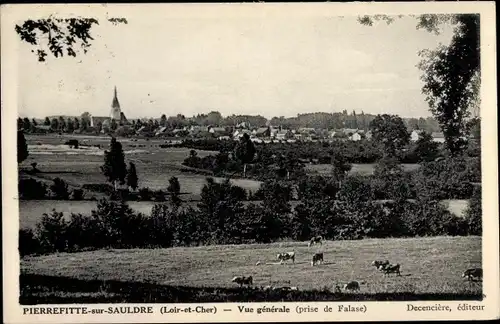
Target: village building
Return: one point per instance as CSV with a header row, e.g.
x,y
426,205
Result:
x,y
355,137
115,114
415,135
263,132
283,134
237,134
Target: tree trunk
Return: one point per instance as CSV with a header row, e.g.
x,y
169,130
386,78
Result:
x,y
244,170
288,175
114,184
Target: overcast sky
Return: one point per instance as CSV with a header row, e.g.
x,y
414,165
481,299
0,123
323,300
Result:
x,y
235,65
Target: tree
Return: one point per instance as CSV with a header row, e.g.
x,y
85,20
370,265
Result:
x,y
114,167
59,35
174,189
245,151
76,123
425,148
26,124
474,213
54,124
46,121
340,167
62,124
132,176
22,147
20,124
70,126
451,73
390,131
163,120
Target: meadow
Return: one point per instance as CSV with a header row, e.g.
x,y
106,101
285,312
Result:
x,y
428,266
155,166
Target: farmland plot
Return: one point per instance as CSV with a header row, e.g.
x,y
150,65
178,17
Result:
x,y
428,265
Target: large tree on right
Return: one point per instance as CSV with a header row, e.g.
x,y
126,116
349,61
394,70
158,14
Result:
x,y
451,73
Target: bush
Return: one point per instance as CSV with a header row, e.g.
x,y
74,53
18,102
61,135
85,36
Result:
x,y
145,194
474,213
28,242
60,189
72,143
52,232
159,195
78,194
32,189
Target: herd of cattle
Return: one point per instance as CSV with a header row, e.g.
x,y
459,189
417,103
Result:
x,y
384,266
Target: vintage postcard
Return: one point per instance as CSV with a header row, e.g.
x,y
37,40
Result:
x,y
249,162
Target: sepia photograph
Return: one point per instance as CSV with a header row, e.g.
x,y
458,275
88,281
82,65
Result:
x,y
204,156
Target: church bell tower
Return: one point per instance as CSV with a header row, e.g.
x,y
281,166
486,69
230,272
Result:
x,y
115,108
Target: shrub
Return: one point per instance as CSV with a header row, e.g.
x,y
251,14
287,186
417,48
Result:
x,y
28,242
474,214
60,189
159,195
32,189
72,143
78,194
145,194
52,232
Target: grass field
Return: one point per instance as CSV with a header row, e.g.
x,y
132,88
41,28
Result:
x,y
155,165
428,265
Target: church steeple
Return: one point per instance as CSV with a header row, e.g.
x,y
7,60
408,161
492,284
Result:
x,y
115,103
115,108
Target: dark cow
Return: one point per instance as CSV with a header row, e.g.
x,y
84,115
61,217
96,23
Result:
x,y
391,268
353,285
317,258
474,274
243,280
282,257
316,240
379,264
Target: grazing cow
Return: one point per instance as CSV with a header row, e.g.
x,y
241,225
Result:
x,y
282,257
243,280
337,289
474,274
378,264
316,240
353,285
391,268
317,258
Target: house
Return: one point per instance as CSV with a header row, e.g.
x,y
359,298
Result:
x,y
283,134
355,137
239,133
161,131
415,135
243,125
306,130
263,132
180,132
219,131
438,137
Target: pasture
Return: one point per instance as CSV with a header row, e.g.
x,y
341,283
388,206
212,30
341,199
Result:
x,y
155,165
428,265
